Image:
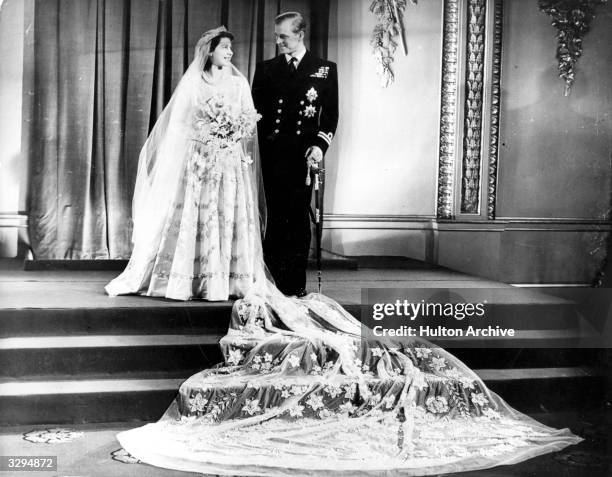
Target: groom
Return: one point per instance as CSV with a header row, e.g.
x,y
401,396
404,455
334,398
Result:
x,y
297,95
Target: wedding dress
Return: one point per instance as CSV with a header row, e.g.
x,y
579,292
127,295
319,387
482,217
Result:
x,y
195,205
306,390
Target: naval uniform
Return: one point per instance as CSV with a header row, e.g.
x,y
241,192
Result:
x,y
299,108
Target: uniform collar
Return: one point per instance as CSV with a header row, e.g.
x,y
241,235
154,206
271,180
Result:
x,y
298,54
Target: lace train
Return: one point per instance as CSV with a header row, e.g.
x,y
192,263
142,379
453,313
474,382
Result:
x,y
301,392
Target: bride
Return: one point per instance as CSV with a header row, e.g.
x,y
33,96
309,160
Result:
x,y
195,208
304,389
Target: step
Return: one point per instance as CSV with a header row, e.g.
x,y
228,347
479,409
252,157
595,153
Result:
x,y
209,317
23,357
328,260
125,398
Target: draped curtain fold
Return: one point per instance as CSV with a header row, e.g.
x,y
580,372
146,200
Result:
x,y
103,71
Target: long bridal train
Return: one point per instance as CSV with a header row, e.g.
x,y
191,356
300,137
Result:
x,y
301,392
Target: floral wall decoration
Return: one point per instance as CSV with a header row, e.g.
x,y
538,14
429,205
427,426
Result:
x,y
387,32
572,19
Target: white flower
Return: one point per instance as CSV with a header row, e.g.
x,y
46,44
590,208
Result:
x,y
479,399
295,390
438,363
315,401
349,391
313,357
437,405
376,352
316,369
267,357
296,411
333,390
310,111
375,399
365,392
393,350
466,382
422,352
197,403
235,356
453,373
312,94
388,402
347,407
285,394
242,307
247,160
365,368
251,407
490,413
294,360
257,359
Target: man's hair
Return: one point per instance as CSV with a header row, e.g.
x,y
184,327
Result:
x,y
298,22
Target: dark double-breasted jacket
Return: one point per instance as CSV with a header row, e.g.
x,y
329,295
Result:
x,y
299,109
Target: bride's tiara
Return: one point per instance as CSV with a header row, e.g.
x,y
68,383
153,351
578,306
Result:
x,y
210,35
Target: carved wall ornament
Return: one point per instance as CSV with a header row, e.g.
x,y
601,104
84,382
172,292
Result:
x,y
572,19
388,30
448,110
474,82
498,11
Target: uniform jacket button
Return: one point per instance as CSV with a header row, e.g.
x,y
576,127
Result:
x,y
298,132
277,121
276,131
280,101
301,102
279,111
299,122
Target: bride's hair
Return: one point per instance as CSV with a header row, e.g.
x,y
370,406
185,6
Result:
x,y
214,43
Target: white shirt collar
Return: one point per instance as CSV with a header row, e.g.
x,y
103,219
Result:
x,y
298,54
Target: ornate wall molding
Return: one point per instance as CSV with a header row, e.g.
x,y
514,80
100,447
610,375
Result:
x,y
498,18
572,19
474,82
448,109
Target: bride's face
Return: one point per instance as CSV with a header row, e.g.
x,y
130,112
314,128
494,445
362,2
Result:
x,y
222,56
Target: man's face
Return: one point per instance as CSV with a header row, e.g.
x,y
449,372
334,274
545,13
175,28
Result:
x,y
287,41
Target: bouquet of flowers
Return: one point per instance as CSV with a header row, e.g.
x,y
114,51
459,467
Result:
x,y
221,126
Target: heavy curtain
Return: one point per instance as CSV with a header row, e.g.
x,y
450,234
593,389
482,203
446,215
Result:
x,y
102,71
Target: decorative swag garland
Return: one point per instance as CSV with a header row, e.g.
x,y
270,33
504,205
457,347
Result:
x,y
572,19
390,28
